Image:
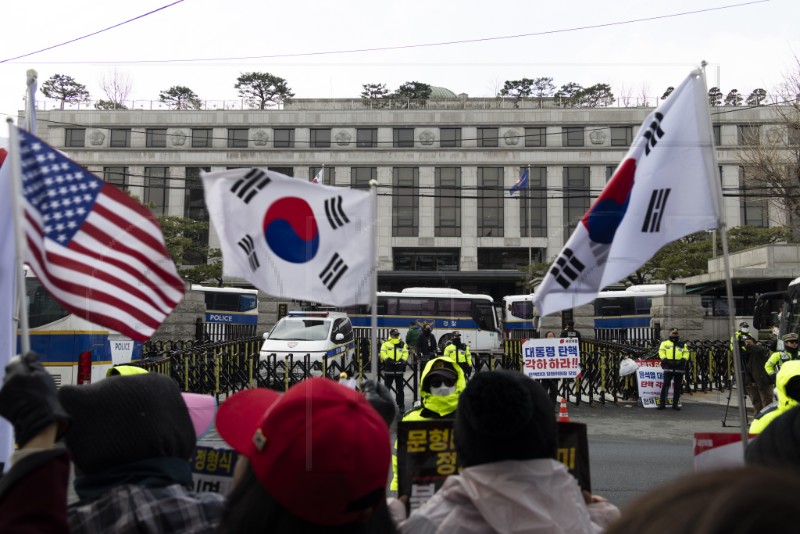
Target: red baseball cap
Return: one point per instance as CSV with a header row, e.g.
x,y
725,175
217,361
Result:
x,y
319,449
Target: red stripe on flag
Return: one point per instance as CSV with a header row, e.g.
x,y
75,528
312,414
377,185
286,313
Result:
x,y
115,194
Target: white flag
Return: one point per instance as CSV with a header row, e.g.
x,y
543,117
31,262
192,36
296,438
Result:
x,y
291,238
318,178
8,280
665,188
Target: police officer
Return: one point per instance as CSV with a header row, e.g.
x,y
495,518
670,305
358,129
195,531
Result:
x,y
759,384
674,355
459,353
570,331
394,354
789,353
426,345
738,336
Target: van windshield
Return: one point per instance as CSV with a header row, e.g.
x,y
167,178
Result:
x,y
301,330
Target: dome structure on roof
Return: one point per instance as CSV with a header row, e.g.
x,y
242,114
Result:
x,y
442,92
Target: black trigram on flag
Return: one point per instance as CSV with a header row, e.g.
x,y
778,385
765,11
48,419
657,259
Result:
x,y
655,210
250,184
566,268
653,134
332,272
335,213
249,248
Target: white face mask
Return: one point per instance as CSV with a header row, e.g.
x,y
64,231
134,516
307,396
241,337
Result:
x,y
745,329
443,391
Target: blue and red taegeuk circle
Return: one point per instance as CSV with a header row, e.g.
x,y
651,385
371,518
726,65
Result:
x,y
291,231
605,215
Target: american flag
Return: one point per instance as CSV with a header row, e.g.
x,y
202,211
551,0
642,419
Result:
x,y
96,250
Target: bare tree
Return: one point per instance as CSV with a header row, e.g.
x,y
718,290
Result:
x,y
117,87
625,95
773,163
644,95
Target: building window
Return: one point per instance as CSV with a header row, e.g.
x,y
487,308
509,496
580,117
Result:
x,y
535,137
366,137
328,177
448,201
490,201
156,138
572,136
405,202
610,172
201,137
120,138
117,176
421,259
717,134
487,137
75,137
748,134
533,204
794,135
156,190
194,207
237,137
320,138
404,137
621,135
576,197
507,258
361,176
286,171
754,210
283,138
449,137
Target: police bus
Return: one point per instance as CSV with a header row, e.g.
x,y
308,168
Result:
x,y
230,312
518,315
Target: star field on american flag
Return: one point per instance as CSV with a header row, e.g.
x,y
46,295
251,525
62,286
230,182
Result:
x,y
96,250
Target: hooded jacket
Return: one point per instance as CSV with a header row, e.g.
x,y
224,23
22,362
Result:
x,y
432,407
512,496
788,370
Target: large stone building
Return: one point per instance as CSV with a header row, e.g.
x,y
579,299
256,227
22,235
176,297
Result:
x,y
444,170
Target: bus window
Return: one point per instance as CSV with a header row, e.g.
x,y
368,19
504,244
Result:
x,y
484,316
42,308
415,306
248,302
522,309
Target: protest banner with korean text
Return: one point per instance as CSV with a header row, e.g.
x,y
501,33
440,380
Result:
x,y
212,469
552,358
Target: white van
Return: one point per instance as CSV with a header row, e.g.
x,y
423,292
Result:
x,y
317,334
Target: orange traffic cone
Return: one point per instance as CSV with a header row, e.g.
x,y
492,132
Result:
x,y
563,415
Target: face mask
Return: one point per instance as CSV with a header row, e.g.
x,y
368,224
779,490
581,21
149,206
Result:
x,y
745,330
673,338
443,391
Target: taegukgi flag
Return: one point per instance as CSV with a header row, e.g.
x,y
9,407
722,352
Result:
x,y
664,189
291,238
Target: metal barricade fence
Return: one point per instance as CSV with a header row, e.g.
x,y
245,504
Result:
x,y
223,368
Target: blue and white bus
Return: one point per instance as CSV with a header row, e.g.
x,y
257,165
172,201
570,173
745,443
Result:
x,y
518,316
74,350
445,310
230,312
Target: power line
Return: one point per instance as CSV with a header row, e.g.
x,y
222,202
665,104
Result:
x,y
422,45
91,34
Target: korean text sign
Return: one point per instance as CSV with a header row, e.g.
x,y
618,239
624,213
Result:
x,y
552,358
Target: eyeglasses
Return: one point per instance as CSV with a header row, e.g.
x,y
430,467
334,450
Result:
x,y
793,341
438,382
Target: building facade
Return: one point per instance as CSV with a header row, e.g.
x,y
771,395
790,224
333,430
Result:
x,y
444,169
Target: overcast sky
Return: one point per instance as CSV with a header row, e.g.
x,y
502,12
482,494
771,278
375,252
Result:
x,y
749,46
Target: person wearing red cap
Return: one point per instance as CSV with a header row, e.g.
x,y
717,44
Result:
x,y
441,382
313,459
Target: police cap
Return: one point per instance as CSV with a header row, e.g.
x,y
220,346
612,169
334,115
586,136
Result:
x,y
790,337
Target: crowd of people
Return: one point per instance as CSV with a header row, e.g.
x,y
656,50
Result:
x,y
319,458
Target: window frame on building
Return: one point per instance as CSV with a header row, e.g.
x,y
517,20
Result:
x,y
403,137
366,137
408,259
156,138
156,189
497,258
405,201
573,136
361,176
119,138
453,137
535,136
620,135
238,137
488,137
535,196
717,131
491,189
320,137
202,137
75,137
753,210
111,173
447,201
577,196
282,142
748,134
328,177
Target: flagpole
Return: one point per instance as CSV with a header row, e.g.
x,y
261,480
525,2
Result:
x,y
722,225
19,241
373,335
530,255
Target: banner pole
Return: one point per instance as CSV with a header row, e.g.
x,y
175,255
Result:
x,y
373,342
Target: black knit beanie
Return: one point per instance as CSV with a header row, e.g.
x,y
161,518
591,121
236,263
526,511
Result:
x,y
126,419
778,445
504,415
